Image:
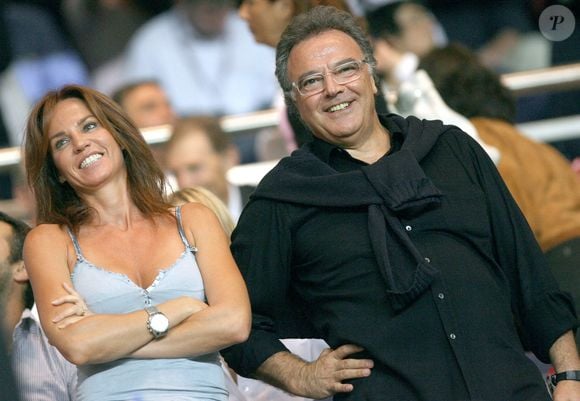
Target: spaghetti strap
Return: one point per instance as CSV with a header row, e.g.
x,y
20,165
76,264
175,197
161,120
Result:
x,y
73,237
181,231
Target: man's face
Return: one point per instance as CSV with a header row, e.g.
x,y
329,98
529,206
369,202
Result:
x,y
340,114
5,267
267,19
417,28
148,106
5,239
194,162
208,17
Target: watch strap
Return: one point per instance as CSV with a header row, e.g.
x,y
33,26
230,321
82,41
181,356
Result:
x,y
566,375
151,310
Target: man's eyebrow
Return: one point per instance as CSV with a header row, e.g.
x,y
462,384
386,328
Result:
x,y
331,66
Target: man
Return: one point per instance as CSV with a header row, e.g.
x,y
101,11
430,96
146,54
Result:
x,y
13,293
539,177
41,372
199,152
6,375
396,241
205,58
146,103
267,20
402,31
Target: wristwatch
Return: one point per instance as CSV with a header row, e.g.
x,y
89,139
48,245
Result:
x,y
157,322
567,375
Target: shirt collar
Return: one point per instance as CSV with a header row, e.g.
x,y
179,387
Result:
x,y
325,150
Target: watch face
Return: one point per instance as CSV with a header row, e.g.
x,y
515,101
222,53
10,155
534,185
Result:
x,y
159,323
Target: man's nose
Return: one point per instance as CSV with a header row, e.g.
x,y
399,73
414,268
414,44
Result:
x,y
331,87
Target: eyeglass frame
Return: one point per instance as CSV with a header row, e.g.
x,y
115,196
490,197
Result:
x,y
330,72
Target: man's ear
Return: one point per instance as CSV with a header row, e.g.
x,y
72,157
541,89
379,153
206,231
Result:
x,y
19,273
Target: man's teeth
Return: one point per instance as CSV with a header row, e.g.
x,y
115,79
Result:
x,y
338,107
90,160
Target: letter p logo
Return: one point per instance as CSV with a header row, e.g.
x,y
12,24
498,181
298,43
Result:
x,y
557,23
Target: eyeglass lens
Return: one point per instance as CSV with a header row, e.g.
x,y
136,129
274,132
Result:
x,y
341,74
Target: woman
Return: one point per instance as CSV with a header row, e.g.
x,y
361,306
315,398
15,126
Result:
x,y
163,289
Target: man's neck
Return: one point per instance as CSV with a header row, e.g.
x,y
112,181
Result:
x,y
13,308
375,147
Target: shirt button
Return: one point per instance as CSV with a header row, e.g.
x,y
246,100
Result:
x,y
427,260
441,295
408,228
452,336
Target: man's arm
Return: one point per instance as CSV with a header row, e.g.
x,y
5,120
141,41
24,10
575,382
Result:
x,y
41,372
318,379
564,357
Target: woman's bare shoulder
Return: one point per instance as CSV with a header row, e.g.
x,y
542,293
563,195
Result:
x,y
195,209
46,233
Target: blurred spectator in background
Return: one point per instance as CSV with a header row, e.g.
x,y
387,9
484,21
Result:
x,y
146,104
39,58
101,31
205,58
102,28
13,293
200,153
6,375
402,31
41,372
540,179
207,198
564,103
501,32
35,56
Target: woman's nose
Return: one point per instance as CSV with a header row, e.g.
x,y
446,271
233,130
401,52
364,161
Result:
x,y
80,142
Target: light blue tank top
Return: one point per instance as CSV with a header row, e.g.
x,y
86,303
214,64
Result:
x,y
179,379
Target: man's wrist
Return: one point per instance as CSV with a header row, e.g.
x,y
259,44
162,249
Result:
x,y
566,375
284,370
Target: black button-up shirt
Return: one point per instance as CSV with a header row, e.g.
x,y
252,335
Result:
x,y
460,340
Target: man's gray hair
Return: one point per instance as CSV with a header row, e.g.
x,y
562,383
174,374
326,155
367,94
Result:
x,y
316,21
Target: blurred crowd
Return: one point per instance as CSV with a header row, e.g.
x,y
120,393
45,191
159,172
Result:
x,y
205,60
185,64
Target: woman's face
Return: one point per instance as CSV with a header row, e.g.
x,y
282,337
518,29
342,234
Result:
x,y
85,153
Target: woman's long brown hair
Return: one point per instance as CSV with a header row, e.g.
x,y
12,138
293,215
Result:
x,y
58,203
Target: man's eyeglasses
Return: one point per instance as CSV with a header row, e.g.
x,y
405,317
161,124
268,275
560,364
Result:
x,y
341,74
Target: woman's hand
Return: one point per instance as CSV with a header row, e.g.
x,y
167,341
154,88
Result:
x,y
77,311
